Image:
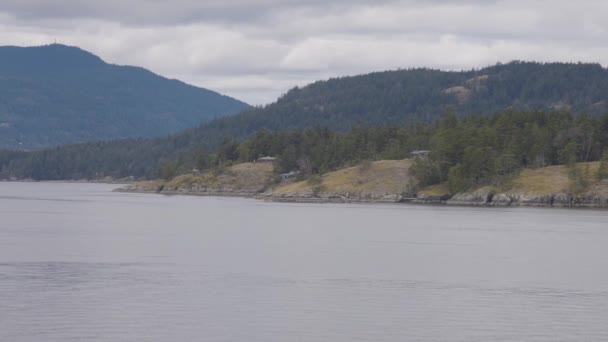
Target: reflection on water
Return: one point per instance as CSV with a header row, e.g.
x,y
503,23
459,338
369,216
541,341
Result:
x,y
100,266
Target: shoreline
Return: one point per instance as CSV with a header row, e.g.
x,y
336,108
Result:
x,y
479,198
381,181
268,197
71,181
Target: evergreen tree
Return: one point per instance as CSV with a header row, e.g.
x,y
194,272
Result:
x,y
603,169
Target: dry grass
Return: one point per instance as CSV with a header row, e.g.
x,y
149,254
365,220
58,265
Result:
x,y
246,177
547,180
370,178
541,181
292,187
437,190
380,177
250,175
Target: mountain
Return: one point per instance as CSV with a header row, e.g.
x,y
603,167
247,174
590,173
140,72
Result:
x,y
422,95
398,97
55,94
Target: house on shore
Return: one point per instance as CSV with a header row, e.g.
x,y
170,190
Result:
x,y
419,153
267,159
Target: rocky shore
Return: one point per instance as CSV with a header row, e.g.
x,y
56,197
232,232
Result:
x,y
480,198
377,182
594,198
241,180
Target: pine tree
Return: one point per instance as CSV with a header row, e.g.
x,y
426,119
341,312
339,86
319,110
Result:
x,y
603,170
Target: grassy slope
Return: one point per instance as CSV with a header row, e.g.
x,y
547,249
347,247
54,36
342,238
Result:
x,y
246,177
375,178
240,178
437,190
385,179
548,180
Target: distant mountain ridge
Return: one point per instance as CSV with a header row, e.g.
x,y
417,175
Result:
x,y
55,94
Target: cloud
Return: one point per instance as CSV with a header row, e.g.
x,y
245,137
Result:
x,y
256,50
175,12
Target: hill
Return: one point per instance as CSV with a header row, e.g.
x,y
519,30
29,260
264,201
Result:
x,y
55,94
420,96
402,98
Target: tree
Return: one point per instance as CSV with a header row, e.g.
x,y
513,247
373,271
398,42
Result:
x,y
202,159
316,184
603,169
245,151
567,155
426,171
228,151
305,166
507,164
456,182
580,179
288,159
167,170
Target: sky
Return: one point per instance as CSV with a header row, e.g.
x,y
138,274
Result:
x,y
256,50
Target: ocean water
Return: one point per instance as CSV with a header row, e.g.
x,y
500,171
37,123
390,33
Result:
x,y
81,263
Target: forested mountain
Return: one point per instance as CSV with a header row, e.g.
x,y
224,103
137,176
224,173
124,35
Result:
x,y
56,94
417,95
403,98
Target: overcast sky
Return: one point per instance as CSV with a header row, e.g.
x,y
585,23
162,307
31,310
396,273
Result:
x,y
255,50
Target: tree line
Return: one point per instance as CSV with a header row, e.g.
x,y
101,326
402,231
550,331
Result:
x,y
465,151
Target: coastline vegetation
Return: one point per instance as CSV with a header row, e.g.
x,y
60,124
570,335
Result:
x,y
465,152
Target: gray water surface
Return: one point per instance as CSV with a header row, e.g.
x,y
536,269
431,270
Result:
x,y
80,263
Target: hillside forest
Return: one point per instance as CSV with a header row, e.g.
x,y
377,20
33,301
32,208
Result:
x,y
464,151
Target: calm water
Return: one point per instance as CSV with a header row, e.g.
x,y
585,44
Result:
x,y
80,263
